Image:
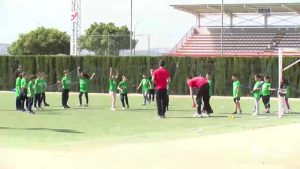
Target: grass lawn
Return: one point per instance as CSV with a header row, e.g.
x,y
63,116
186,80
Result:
x,y
97,124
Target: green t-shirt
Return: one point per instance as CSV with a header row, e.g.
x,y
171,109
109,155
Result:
x,y
265,89
30,89
211,89
39,86
112,85
145,84
236,85
23,83
84,84
18,83
66,82
256,93
124,86
44,84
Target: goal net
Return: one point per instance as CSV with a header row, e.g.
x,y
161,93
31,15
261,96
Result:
x,y
282,107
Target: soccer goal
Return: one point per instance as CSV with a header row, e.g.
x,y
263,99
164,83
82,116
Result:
x,y
282,107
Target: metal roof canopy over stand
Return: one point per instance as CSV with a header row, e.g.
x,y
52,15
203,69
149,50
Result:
x,y
282,16
247,14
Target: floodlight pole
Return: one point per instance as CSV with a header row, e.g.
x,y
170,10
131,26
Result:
x,y
130,28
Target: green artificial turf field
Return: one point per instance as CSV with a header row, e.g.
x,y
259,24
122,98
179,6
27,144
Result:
x,y
97,124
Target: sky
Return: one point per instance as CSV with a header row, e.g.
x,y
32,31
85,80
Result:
x,y
165,25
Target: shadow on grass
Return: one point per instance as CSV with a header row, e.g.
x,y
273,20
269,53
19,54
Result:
x,y
7,110
180,110
145,109
294,113
41,112
190,117
45,129
243,114
89,108
53,113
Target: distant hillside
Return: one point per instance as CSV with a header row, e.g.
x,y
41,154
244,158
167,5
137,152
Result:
x,y
4,49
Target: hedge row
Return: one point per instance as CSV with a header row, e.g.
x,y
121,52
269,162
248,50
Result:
x,y
134,67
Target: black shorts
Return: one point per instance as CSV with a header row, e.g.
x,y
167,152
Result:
x,y
24,92
236,99
151,91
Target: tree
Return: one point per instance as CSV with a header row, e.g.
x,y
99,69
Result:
x,y
42,41
106,39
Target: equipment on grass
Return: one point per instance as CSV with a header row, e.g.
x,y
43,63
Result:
x,y
231,117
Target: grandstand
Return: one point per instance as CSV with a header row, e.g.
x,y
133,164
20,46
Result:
x,y
248,30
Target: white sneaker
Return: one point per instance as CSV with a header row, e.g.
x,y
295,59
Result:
x,y
80,105
123,108
204,115
197,115
113,109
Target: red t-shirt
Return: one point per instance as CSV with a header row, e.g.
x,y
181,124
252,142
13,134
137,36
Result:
x,y
197,82
161,76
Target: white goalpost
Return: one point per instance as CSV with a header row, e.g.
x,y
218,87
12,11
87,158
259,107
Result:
x,y
282,107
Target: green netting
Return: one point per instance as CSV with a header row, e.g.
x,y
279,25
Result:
x,y
134,67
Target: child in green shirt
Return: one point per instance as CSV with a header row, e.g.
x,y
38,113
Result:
x,y
38,86
18,91
30,93
123,88
23,94
236,92
145,84
256,92
113,87
44,84
66,86
266,93
84,83
151,89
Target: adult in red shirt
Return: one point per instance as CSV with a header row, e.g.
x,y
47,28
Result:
x,y
161,78
202,92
